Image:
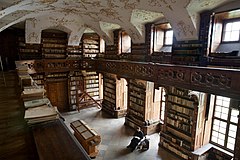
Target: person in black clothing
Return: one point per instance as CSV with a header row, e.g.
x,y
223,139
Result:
x,y
137,137
139,133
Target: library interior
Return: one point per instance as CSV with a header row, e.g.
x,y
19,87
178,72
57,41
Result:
x,y
78,78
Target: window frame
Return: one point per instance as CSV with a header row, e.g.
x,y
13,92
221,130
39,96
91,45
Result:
x,y
228,123
225,22
159,29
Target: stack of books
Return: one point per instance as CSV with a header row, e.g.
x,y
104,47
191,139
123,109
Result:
x,y
40,114
36,103
32,93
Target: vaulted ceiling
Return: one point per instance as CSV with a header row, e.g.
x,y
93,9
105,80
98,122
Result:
x,y
103,16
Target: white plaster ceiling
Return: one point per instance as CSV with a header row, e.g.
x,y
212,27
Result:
x,y
103,16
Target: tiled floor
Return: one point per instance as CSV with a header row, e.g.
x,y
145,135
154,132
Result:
x,y
116,136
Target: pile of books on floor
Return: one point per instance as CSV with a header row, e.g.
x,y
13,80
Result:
x,y
39,111
24,78
31,93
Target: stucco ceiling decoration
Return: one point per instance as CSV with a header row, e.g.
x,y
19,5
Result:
x,y
131,15
140,17
194,7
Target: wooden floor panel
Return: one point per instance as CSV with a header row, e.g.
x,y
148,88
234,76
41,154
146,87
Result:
x,y
16,140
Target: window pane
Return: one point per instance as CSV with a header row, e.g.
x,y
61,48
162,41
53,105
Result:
x,y
215,127
226,103
232,131
231,31
225,110
228,27
214,139
234,35
224,116
221,142
236,26
218,108
215,134
226,99
222,130
231,140
234,119
216,122
230,146
232,134
223,124
169,33
168,37
233,127
235,112
217,114
219,101
234,116
222,136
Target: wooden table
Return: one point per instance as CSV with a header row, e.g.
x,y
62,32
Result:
x,y
54,141
87,137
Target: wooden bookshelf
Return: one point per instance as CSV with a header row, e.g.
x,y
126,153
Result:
x,y
138,52
91,44
54,45
76,83
187,53
112,50
137,99
74,52
140,106
28,51
91,80
91,94
164,57
181,133
109,93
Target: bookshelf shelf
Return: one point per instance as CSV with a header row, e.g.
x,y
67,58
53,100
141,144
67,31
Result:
x,y
54,45
91,44
109,93
180,127
189,52
28,51
75,88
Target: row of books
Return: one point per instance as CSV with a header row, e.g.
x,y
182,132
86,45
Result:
x,y
181,101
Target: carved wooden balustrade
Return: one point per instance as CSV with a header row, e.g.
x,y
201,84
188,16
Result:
x,y
211,80
60,65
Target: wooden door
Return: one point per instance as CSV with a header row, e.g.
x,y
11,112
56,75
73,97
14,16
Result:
x,y
58,94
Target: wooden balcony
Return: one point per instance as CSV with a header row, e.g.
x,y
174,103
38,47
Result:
x,y
217,81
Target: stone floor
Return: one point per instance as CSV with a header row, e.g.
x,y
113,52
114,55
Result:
x,y
116,136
